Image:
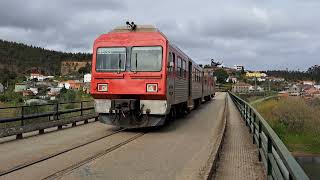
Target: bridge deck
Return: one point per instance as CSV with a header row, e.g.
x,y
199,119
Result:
x,y
239,157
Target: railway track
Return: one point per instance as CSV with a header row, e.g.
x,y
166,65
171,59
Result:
x,y
94,157
44,158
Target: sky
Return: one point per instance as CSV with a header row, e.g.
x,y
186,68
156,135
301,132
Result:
x,y
259,34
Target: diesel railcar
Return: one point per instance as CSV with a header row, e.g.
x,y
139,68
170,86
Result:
x,y
140,79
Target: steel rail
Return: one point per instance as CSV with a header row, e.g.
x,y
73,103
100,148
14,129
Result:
x,y
44,158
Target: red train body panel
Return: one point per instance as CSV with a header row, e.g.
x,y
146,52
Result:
x,y
139,79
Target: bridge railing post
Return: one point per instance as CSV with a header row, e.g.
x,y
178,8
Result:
x,y
254,128
57,111
259,139
81,107
22,115
246,114
269,150
250,120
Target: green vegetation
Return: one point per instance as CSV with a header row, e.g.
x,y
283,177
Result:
x,y
18,58
313,73
296,122
221,75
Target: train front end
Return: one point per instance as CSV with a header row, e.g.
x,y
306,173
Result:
x,y
129,78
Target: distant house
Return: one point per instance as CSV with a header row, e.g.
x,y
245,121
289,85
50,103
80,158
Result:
x,y
75,84
64,85
276,79
283,93
71,84
238,67
1,88
19,87
308,83
256,75
34,90
317,86
54,91
36,75
27,93
87,78
241,87
295,90
311,92
232,79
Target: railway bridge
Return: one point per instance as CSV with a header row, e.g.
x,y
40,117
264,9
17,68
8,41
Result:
x,y
222,139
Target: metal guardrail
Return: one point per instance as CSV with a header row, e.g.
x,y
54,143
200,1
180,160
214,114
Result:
x,y
21,119
279,162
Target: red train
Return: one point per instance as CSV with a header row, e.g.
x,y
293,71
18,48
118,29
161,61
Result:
x,y
140,79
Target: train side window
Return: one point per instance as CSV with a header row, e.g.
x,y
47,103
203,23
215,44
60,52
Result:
x,y
193,74
179,66
183,71
169,62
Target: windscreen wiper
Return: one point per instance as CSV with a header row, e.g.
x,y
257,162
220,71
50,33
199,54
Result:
x,y
136,63
119,65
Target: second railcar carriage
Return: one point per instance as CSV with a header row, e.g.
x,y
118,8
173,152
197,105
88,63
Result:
x,y
139,79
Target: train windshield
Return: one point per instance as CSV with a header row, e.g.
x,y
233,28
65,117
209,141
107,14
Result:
x,y
111,59
146,58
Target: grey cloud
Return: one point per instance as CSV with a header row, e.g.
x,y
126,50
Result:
x,y
258,34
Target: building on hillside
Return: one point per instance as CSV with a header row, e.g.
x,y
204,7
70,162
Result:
x,y
19,87
241,87
311,92
276,79
317,86
39,76
75,84
34,90
27,93
70,84
283,94
238,67
64,84
1,88
87,78
308,83
256,75
256,89
231,79
295,90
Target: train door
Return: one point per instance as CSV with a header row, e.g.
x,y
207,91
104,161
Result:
x,y
190,79
170,77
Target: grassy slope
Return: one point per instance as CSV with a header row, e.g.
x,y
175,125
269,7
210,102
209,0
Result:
x,y
295,121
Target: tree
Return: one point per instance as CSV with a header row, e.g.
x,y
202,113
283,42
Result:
x,y
221,75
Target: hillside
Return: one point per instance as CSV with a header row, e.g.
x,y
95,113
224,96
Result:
x,y
20,58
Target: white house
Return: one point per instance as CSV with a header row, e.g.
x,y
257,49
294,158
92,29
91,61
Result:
x,y
231,79
64,85
39,77
87,78
34,90
238,67
308,83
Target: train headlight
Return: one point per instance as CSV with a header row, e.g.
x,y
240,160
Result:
x,y
152,87
103,87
